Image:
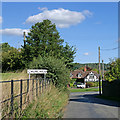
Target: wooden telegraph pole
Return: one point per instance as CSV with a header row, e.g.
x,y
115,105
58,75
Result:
x,y
99,72
102,70
24,38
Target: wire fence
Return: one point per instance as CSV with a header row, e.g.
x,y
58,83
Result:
x,y
17,94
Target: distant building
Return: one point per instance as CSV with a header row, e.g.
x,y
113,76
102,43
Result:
x,y
84,76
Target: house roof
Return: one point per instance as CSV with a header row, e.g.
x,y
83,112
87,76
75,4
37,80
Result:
x,y
84,74
75,73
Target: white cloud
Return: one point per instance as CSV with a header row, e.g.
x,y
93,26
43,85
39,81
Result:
x,y
61,17
86,53
0,19
14,31
87,13
42,9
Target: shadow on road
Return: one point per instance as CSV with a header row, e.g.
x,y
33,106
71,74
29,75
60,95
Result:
x,y
91,98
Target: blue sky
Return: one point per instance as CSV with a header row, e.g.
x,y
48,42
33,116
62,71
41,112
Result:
x,y
83,25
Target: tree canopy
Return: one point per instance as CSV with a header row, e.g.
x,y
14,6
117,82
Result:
x,y
11,58
43,39
114,70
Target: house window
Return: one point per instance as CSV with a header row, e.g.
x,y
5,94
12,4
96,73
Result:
x,y
91,76
79,75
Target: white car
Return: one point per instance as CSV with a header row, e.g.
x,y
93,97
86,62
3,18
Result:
x,y
80,85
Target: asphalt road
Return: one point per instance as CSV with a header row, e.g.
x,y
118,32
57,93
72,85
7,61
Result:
x,y
85,105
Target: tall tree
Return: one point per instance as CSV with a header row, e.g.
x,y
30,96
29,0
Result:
x,y
44,39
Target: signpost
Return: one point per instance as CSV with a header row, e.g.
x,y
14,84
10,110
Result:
x,y
37,71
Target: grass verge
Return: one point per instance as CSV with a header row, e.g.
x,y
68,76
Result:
x,y
82,90
108,98
49,105
14,76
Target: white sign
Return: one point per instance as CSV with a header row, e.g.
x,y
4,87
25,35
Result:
x,y
37,71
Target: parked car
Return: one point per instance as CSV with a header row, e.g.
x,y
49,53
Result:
x,y
80,85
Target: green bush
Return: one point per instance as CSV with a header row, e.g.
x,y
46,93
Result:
x,y
90,84
96,84
57,70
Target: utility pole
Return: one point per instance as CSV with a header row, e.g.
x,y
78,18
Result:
x,y
24,39
102,70
99,72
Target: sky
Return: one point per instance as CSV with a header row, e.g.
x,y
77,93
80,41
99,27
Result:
x,y
84,25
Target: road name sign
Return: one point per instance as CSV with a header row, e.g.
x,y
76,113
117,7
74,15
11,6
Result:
x,y
37,71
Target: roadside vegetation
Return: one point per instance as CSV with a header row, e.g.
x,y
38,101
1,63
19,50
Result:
x,y
49,105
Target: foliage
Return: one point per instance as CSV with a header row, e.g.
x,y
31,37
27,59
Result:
x,y
68,54
11,58
57,70
43,39
114,70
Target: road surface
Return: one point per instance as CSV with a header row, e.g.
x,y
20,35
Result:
x,y
85,105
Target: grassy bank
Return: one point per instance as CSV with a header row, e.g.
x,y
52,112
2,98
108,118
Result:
x,y
13,76
49,105
82,90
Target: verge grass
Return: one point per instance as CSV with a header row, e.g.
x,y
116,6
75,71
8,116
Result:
x,y
83,90
49,105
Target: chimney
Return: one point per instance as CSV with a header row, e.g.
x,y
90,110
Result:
x,y
85,69
24,39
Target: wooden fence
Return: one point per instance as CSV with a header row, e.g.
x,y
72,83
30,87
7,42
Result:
x,y
19,94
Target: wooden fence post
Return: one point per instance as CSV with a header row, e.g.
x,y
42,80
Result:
x,y
45,80
28,89
42,85
12,97
33,88
39,86
21,95
36,87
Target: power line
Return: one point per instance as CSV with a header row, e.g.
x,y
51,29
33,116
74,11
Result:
x,y
110,49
